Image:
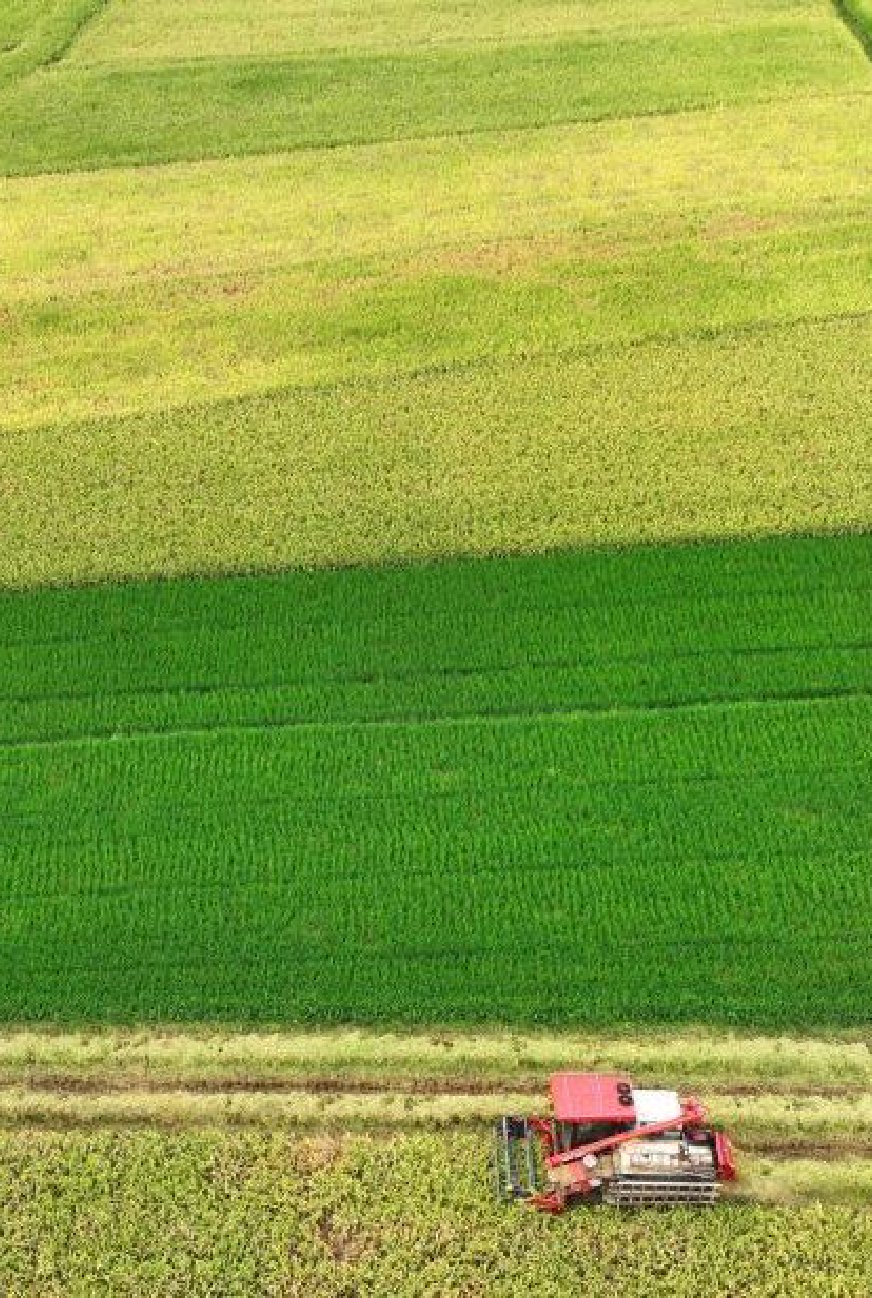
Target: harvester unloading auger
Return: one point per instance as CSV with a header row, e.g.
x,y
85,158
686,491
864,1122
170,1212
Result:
x,y
608,1142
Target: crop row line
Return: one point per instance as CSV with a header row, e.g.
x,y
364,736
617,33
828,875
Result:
x,y
412,720
447,672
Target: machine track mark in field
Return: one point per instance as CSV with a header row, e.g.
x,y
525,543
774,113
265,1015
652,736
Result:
x,y
50,42
339,1086
412,720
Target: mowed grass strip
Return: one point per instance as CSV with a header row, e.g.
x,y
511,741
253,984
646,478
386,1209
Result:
x,y
69,118
161,31
744,433
200,1057
321,869
258,1213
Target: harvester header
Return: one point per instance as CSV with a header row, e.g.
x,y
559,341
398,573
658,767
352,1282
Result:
x,y
608,1141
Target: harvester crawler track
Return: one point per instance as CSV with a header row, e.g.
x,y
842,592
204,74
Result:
x,y
644,1192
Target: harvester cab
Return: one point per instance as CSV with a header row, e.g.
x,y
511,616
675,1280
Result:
x,y
609,1142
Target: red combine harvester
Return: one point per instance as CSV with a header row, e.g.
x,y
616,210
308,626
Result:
x,y
608,1142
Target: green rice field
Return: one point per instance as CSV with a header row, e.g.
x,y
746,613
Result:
x,y
614,293
153,90
273,799
435,607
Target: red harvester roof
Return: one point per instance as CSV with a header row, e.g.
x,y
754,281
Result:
x,y
591,1097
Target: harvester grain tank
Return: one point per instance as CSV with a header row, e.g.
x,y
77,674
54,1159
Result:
x,y
608,1141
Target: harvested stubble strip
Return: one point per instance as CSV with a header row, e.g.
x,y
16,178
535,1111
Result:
x,y
208,1077
778,1123
694,1057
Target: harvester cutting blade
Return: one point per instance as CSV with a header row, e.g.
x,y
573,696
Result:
x,y
516,1171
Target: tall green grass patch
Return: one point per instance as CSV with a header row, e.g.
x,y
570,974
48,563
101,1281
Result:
x,y
71,118
34,33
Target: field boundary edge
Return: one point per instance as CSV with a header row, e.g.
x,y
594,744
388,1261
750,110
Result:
x,y
858,23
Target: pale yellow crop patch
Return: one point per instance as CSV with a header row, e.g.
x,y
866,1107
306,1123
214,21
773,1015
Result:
x,y
17,18
63,233
740,435
143,288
